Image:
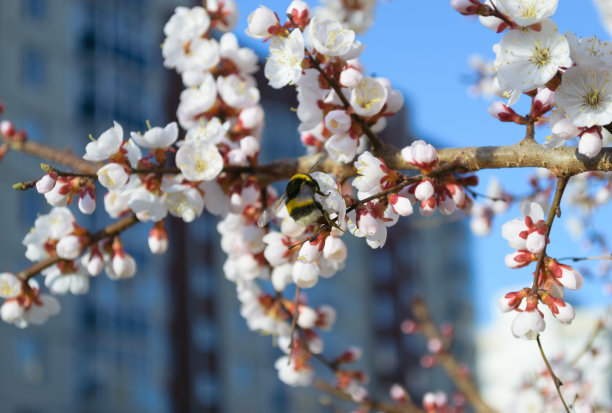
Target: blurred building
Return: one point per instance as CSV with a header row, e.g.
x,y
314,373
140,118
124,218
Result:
x,y
69,69
172,338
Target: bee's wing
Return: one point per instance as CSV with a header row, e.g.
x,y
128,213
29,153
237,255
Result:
x,y
270,212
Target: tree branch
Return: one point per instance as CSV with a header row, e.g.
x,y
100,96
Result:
x,y
526,153
109,231
446,359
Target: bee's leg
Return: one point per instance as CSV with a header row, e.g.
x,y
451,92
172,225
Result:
x,y
330,221
319,192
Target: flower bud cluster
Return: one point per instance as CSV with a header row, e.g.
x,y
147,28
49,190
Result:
x,y
529,237
319,57
24,304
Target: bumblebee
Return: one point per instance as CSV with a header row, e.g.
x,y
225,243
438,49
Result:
x,y
300,201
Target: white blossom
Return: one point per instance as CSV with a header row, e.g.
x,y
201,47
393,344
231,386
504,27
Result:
x,y
106,145
112,176
330,38
527,12
527,59
369,97
157,137
199,161
585,95
10,286
284,65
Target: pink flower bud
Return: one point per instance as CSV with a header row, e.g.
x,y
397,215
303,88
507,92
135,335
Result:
x,y
7,128
368,224
466,7
564,128
397,393
409,327
421,154
543,102
590,143
428,207
327,317
304,274
338,122
69,247
424,190
395,101
565,312
503,113
350,77
435,346
87,204
249,146
251,117
299,12
45,184
519,259
509,302
535,242
310,251
95,264
158,238
528,324
123,266
307,317
446,204
401,205
262,23
566,275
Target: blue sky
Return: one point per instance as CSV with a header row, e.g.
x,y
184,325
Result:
x,y
423,48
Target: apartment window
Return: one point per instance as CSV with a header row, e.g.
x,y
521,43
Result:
x,y
33,69
35,9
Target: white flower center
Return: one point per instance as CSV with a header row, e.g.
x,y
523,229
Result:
x,y
528,11
541,56
5,288
593,97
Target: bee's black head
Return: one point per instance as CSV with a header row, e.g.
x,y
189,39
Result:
x,y
296,183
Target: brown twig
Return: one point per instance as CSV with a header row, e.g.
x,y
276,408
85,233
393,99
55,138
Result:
x,y
109,231
367,405
555,379
447,360
599,327
554,211
576,259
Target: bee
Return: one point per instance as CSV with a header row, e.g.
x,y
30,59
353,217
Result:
x,y
299,197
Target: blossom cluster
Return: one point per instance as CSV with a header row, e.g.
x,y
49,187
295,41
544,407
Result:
x,y
319,56
339,109
530,236
562,72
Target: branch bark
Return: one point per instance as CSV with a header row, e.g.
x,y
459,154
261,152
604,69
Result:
x,y
447,361
564,161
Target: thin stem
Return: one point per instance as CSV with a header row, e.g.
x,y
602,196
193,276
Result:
x,y
447,360
108,231
555,379
576,259
295,317
589,344
554,211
